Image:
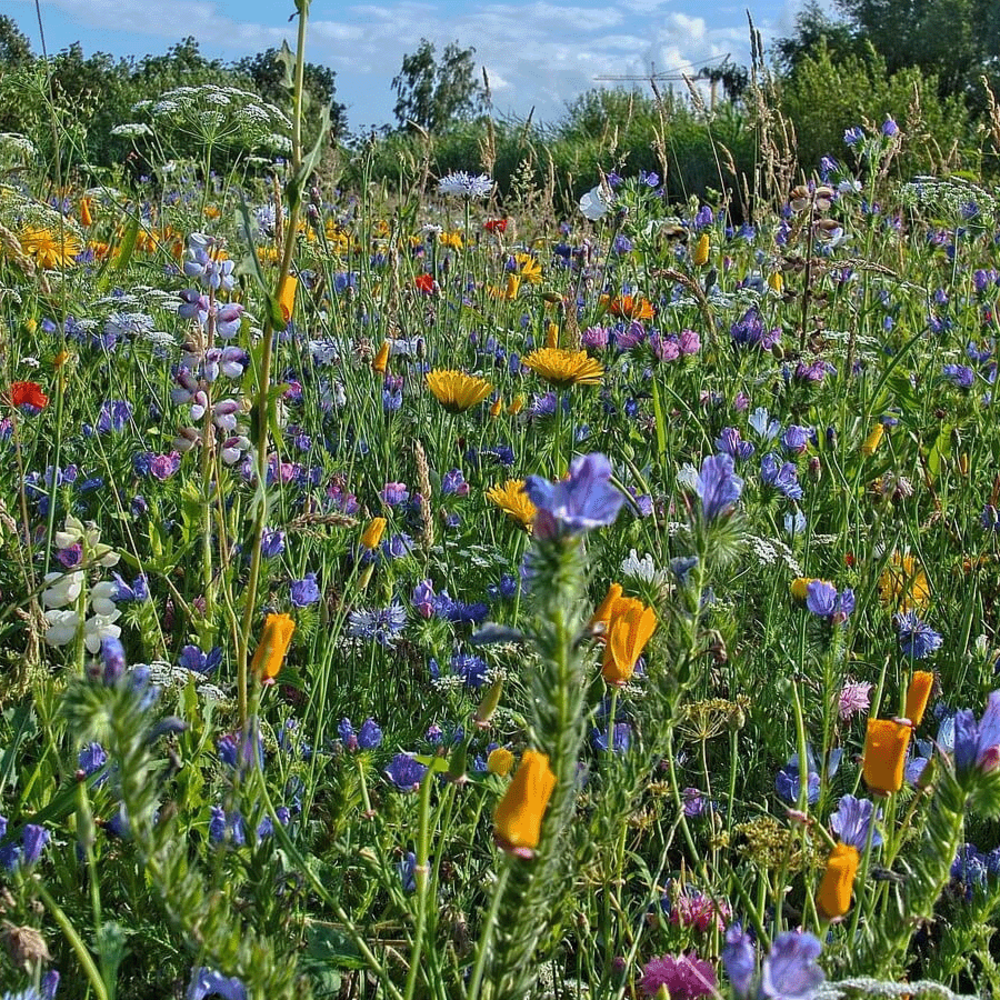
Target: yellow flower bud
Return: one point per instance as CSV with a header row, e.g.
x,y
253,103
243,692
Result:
x,y
873,441
701,251
274,642
381,362
373,533
500,761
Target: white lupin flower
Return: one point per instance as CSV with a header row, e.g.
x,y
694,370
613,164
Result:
x,y
63,589
98,628
102,597
62,628
596,203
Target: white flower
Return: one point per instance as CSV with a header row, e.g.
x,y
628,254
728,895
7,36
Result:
x,y
687,476
596,202
62,627
102,597
31,362
90,537
643,569
64,589
99,628
466,185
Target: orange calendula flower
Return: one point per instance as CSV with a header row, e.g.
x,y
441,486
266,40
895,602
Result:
x,y
86,216
30,393
373,533
628,306
628,631
513,501
500,761
518,818
903,584
563,368
701,249
286,296
270,653
456,391
834,897
918,694
873,441
886,743
381,362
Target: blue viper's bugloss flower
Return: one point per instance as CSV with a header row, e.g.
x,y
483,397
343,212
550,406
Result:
x,y
853,136
272,543
34,838
823,601
851,822
718,487
729,442
990,518
916,638
787,782
405,772
790,971
782,476
92,758
749,331
796,439
739,959
305,591
210,983
192,658
584,501
226,826
977,744
622,741
114,415
970,868
407,871
959,375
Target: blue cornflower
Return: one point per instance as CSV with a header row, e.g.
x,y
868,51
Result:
x,y
382,625
730,443
782,476
472,669
305,591
916,638
851,822
717,486
405,772
584,501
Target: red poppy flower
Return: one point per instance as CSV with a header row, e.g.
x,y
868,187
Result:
x,y
425,282
28,392
495,225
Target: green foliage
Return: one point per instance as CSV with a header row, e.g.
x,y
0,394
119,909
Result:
x,y
434,94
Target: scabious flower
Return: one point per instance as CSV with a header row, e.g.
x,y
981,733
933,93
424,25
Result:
x,y
718,487
580,503
855,696
916,638
685,977
518,817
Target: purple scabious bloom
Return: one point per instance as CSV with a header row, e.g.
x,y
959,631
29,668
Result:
x,y
739,959
305,591
977,744
916,638
729,442
823,601
584,501
210,983
790,971
718,487
748,331
405,772
852,820
960,375
783,477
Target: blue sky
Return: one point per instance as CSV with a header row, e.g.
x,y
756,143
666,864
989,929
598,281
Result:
x,y
538,53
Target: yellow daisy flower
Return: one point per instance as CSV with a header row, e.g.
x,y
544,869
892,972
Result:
x,y
456,391
50,249
513,501
903,584
563,368
528,268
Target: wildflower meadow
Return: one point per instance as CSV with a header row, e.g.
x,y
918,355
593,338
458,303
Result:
x,y
404,596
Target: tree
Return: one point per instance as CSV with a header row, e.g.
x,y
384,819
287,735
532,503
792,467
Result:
x,y
433,94
266,72
814,27
15,49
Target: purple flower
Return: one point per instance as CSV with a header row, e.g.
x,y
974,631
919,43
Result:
x,y
796,439
584,501
405,772
718,487
162,467
454,482
272,543
783,477
379,624
730,443
790,971
622,741
422,598
114,415
407,872
748,331
192,658
370,735
787,782
739,959
853,136
686,977
92,758
226,826
472,669
305,591
209,983
977,744
851,821
35,838
823,601
960,375
889,127
689,342
394,494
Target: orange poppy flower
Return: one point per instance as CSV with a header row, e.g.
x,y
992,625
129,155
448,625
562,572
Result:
x,y
518,817
274,642
886,743
834,897
629,630
918,694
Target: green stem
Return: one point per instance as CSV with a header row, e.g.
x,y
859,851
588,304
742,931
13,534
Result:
x,y
486,938
76,943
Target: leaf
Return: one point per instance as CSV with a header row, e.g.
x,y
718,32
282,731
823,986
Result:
x,y
286,57
940,450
